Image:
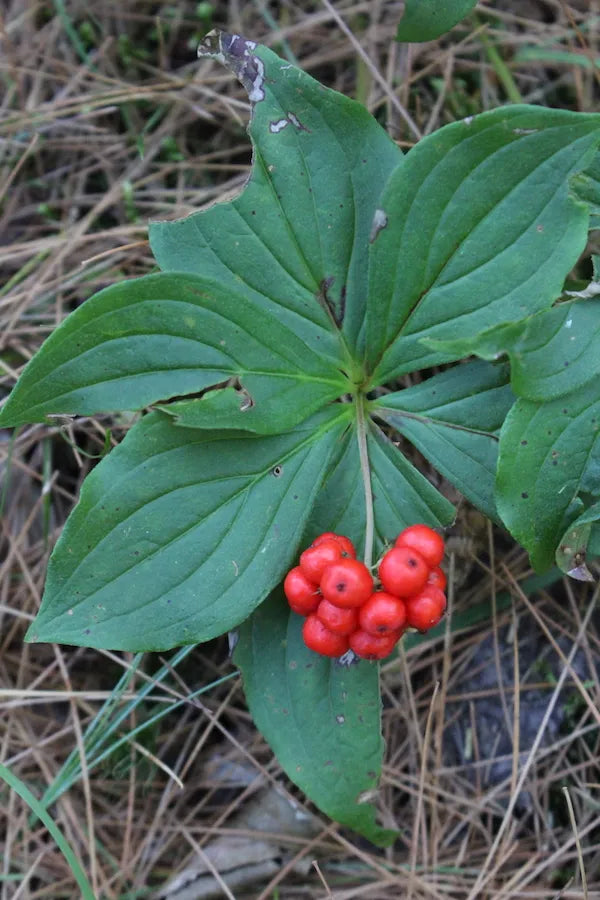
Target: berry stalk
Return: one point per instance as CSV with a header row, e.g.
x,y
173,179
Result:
x,y
365,468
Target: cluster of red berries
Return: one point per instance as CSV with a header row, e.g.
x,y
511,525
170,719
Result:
x,y
346,610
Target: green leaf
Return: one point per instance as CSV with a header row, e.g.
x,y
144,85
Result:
x,y
401,494
572,549
163,335
474,395
323,720
179,534
296,238
557,351
475,229
586,185
549,454
545,450
217,408
425,20
552,353
453,419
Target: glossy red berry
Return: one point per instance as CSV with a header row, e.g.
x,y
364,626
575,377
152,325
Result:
x,y
338,620
437,577
371,646
302,594
314,560
346,583
345,543
403,571
427,542
320,639
426,608
382,613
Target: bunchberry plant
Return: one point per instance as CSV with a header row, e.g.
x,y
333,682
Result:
x,y
266,359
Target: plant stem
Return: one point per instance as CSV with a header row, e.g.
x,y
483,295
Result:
x,y
365,468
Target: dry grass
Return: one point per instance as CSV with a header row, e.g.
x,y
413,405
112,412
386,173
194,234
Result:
x,y
108,120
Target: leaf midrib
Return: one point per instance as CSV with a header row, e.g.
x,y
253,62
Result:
x,y
431,420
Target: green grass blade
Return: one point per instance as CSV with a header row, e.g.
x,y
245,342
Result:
x,y
34,804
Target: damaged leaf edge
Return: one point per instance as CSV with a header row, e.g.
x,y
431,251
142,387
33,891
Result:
x,y
236,53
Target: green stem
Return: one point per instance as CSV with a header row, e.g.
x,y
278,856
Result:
x,y
365,468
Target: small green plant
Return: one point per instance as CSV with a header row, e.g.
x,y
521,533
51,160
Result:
x,y
267,357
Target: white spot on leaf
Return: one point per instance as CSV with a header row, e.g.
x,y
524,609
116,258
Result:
x,y
290,119
380,221
296,122
276,127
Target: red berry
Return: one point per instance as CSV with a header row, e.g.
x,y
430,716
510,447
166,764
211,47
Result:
x,y
338,620
326,536
346,583
382,613
314,560
320,639
344,542
437,577
425,541
371,646
302,594
425,609
403,571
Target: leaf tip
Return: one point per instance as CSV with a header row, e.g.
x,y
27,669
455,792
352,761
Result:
x,y
384,837
581,573
31,635
237,54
